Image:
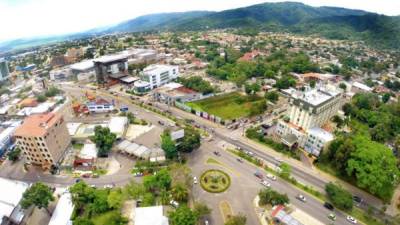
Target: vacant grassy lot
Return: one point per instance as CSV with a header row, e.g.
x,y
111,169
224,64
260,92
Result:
x,y
228,107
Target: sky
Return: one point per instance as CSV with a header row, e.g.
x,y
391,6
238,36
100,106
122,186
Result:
x,y
32,18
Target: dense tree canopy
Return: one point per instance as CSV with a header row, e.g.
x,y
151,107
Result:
x,y
168,145
190,141
340,197
39,195
104,140
182,216
198,84
271,197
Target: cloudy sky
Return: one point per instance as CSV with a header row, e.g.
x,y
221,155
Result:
x,y
30,18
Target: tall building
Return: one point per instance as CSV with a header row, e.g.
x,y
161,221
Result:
x,y
110,67
4,72
309,110
158,75
43,139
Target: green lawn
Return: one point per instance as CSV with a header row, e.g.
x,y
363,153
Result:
x,y
228,106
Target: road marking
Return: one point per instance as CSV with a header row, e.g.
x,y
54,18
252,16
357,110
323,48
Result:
x,y
225,210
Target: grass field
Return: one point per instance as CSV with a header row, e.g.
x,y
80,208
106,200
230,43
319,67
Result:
x,y
228,107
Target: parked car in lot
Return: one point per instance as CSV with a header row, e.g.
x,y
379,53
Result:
x,y
301,198
271,177
217,153
174,203
351,219
258,174
265,183
328,206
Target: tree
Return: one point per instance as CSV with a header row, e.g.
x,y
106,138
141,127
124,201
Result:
x,y
104,140
339,121
343,86
52,91
236,220
182,216
201,209
82,221
148,199
272,96
312,83
39,195
168,145
115,198
386,97
252,88
14,155
285,170
161,180
339,197
41,98
180,193
135,190
269,196
190,141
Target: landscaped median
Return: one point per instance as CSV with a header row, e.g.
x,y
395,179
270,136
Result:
x,y
359,214
215,181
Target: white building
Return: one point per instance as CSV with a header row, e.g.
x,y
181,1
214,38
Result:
x,y
100,106
309,110
153,215
62,213
118,125
10,196
158,75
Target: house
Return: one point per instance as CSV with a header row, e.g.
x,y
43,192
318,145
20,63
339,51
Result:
x,y
100,105
173,92
11,192
153,215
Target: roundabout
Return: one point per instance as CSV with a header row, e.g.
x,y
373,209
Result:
x,y
215,181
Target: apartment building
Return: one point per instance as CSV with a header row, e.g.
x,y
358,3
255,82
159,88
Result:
x,y
157,75
43,138
4,72
308,111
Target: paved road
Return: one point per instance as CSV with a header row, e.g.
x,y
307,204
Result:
x,y
245,187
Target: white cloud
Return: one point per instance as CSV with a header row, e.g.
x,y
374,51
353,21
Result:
x,y
27,18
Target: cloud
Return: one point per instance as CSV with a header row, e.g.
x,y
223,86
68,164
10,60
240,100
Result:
x,y
28,18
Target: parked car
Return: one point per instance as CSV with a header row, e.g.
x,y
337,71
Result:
x,y
272,177
195,180
328,206
206,222
124,109
138,174
265,183
258,174
357,199
250,153
332,216
174,203
301,198
351,220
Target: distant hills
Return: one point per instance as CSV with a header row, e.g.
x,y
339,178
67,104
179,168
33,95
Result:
x,y
331,22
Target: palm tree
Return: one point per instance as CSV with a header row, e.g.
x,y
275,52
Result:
x,y
179,192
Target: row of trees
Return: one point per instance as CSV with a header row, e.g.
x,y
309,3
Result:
x,y
198,84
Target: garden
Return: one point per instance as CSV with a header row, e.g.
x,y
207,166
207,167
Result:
x,y
231,106
215,181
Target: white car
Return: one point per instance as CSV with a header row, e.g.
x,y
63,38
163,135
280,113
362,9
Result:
x,y
108,186
174,203
265,183
301,198
272,177
195,180
351,220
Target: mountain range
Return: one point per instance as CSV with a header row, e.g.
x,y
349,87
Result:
x,y
377,30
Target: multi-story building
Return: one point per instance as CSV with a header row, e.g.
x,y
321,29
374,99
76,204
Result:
x,y
4,72
309,110
157,75
110,67
43,139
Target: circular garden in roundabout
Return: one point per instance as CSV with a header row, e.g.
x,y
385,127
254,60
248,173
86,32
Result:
x,y
215,181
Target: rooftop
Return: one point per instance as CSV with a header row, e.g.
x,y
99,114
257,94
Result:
x,y
37,125
321,133
150,216
314,96
63,211
110,58
10,194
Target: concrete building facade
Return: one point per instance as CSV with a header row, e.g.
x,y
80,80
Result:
x,y
4,72
43,139
158,75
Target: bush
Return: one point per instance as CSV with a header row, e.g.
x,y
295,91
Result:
x,y
269,196
340,197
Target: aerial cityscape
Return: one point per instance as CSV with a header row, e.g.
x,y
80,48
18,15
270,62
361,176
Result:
x,y
244,113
